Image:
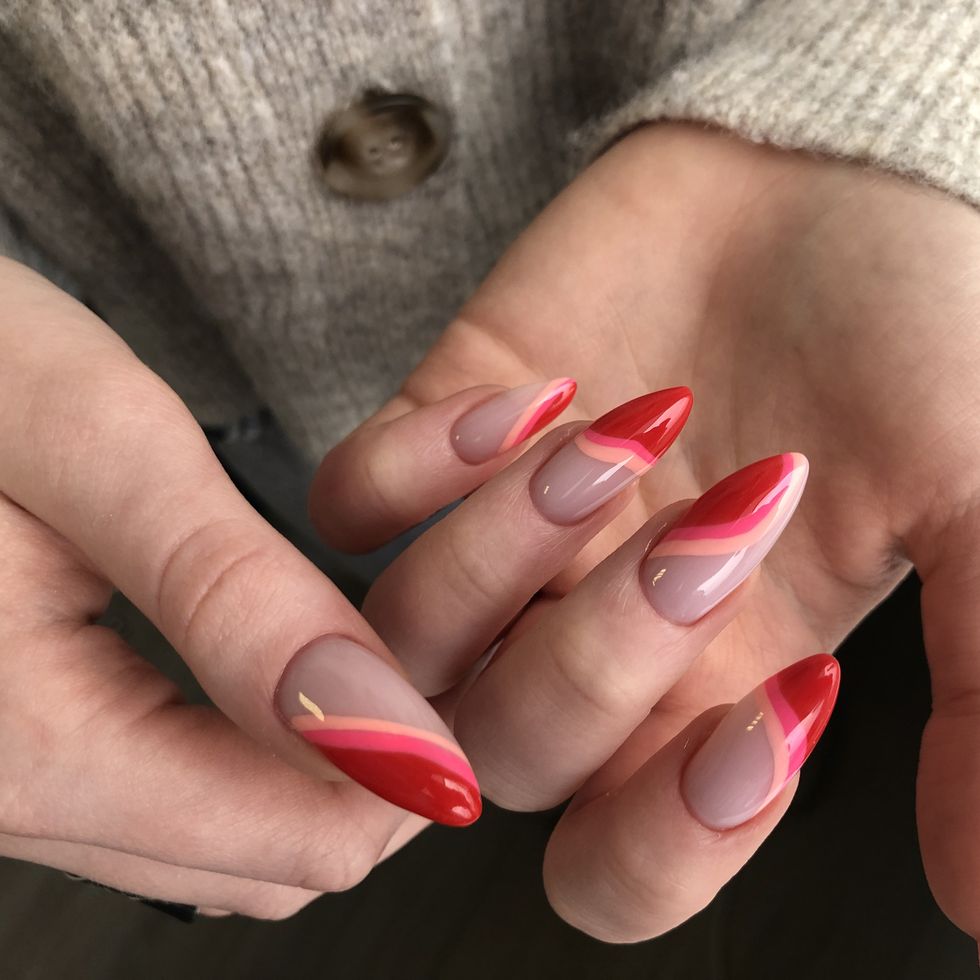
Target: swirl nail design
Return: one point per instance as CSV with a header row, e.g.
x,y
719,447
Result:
x,y
509,418
723,537
761,743
372,725
609,455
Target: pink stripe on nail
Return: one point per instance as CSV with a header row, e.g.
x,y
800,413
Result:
x,y
374,741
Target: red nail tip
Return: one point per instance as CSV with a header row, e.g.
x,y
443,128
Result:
x,y
810,688
654,420
411,782
741,492
561,398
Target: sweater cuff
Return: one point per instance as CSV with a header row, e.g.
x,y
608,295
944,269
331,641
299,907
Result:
x,y
891,83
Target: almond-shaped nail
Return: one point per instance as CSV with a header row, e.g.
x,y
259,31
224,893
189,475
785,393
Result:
x,y
509,418
724,535
374,726
610,454
760,744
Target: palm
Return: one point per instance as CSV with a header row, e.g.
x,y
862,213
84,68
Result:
x,y
810,306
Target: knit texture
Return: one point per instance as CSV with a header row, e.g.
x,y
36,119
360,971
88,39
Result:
x,y
160,155
884,82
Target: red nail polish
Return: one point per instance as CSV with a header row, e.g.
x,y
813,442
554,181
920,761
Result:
x,y
414,780
609,455
809,687
368,721
723,537
645,426
761,743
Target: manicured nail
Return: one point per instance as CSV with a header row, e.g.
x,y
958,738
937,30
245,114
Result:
x,y
609,455
761,743
724,535
509,418
375,727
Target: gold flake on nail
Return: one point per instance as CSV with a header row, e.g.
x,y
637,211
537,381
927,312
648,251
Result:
x,y
547,487
311,706
755,721
659,576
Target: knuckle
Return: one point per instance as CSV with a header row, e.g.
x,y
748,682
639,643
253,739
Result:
x,y
475,568
579,676
375,481
208,577
349,873
341,871
335,859
272,903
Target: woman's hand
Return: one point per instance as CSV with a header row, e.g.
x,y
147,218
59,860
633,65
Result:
x,y
565,700
811,306
106,480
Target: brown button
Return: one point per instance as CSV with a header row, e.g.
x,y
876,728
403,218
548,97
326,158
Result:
x,y
382,146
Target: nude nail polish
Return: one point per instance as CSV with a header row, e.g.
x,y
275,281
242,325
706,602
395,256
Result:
x,y
613,452
367,720
761,743
509,418
722,538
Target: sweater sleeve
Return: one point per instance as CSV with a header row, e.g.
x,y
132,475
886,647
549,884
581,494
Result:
x,y
890,83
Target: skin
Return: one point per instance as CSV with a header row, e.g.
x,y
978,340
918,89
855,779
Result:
x,y
812,306
680,257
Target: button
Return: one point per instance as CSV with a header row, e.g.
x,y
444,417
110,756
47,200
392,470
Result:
x,y
382,146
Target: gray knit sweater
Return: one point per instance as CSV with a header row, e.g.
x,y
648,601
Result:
x,y
157,153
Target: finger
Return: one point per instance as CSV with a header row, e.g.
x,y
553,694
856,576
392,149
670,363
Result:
x,y
134,770
633,864
565,695
163,882
358,498
948,789
115,463
98,748
475,570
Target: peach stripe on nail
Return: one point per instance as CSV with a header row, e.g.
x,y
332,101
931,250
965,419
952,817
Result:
x,y
309,723
554,396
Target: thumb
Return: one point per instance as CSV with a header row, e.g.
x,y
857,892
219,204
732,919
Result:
x,y
948,792
112,460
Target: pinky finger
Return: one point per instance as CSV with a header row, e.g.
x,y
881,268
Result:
x,y
209,891
632,864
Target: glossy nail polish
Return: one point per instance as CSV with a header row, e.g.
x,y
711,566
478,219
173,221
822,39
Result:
x,y
761,743
509,418
610,454
375,727
723,536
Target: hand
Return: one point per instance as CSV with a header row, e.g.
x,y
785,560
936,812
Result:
x,y
106,479
812,306
571,682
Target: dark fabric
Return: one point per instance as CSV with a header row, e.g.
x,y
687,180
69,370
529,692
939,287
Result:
x,y
176,910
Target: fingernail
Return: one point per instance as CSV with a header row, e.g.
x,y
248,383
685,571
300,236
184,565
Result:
x,y
375,727
609,455
509,418
761,743
724,535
